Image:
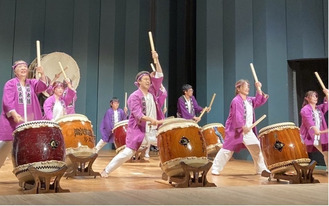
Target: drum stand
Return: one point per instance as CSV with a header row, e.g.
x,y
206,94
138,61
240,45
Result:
x,y
42,182
212,155
193,177
139,156
79,166
304,174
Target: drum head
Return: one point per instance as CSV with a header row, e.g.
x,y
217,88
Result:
x,y
51,67
119,124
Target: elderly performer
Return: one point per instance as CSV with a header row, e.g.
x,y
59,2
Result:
x,y
19,104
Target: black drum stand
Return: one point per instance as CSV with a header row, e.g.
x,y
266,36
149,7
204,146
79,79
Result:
x,y
193,176
304,174
82,166
44,182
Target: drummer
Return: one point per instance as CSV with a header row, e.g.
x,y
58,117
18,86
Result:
x,y
70,109
145,114
314,130
237,128
113,115
55,105
187,106
19,104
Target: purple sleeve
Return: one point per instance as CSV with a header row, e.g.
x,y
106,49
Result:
x,y
8,98
39,86
237,111
134,105
323,107
259,100
181,109
105,125
68,98
162,97
123,115
307,119
48,107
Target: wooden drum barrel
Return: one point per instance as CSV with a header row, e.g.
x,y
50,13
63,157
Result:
x,y
120,132
180,140
281,145
214,135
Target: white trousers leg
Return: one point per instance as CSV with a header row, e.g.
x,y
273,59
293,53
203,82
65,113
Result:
x,y
222,157
100,145
258,158
119,159
324,153
5,148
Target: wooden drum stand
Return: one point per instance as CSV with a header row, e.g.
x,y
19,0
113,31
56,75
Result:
x,y
79,166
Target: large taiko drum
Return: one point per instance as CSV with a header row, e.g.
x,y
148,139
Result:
x,y
39,144
78,135
180,140
281,145
120,132
214,135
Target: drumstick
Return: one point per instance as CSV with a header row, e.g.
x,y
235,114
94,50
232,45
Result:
x,y
125,99
320,80
259,120
203,111
38,55
62,70
152,44
253,72
212,100
152,67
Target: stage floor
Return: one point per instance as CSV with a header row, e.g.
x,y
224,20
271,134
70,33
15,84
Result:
x,y
147,176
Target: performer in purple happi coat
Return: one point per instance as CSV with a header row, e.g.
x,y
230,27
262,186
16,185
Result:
x,y
237,128
113,115
145,113
19,104
187,106
314,130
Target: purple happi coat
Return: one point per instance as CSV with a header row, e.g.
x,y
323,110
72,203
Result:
x,y
13,100
237,119
182,109
50,101
307,133
107,124
136,105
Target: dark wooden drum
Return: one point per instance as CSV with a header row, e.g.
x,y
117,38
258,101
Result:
x,y
120,132
180,140
281,145
39,144
214,135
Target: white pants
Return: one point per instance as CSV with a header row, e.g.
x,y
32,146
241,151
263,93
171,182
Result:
x,y
5,148
100,145
150,139
224,155
119,159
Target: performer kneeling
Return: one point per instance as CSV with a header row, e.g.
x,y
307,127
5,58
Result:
x,y
146,112
237,128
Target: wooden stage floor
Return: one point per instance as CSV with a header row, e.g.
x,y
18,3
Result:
x,y
133,181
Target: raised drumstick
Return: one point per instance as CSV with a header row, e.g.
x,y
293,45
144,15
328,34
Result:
x,y
152,44
212,100
254,73
153,68
320,80
259,120
203,111
60,65
38,55
125,99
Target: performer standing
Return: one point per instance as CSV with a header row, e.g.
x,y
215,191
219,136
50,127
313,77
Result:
x,y
19,104
113,115
70,109
55,105
237,128
314,130
187,106
144,117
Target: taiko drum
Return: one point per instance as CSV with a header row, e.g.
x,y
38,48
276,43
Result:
x,y
214,135
39,144
180,140
281,145
120,132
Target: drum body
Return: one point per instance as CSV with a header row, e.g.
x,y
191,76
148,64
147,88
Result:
x,y
120,132
281,145
78,135
39,144
214,135
180,140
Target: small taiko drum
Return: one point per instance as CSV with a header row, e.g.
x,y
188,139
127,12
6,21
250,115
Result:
x,y
180,140
281,145
39,144
78,135
214,135
120,132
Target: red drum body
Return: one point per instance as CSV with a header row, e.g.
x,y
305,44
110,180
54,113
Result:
x,y
281,145
180,140
214,135
78,135
39,144
120,132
